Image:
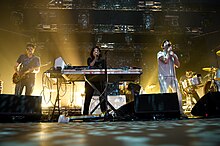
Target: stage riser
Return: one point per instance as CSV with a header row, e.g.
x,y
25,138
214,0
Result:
x,y
20,108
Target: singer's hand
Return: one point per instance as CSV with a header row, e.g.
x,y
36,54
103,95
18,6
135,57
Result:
x,y
95,58
171,53
169,49
96,54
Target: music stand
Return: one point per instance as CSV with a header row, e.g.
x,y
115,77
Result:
x,y
104,99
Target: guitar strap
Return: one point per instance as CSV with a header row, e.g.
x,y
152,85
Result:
x,y
26,62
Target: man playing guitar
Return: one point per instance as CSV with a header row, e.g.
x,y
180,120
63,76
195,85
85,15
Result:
x,y
26,68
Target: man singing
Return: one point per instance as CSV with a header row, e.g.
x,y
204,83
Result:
x,y
167,62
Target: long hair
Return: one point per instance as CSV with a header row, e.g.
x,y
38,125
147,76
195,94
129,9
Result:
x,y
91,53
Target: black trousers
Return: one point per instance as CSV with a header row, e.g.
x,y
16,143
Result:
x,y
89,90
28,83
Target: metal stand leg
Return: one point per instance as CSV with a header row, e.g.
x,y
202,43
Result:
x,y
104,99
57,101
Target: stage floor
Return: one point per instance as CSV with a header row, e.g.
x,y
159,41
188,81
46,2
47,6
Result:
x,y
188,132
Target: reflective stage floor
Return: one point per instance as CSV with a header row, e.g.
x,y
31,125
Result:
x,y
188,132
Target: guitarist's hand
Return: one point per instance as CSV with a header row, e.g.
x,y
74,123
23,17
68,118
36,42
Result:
x,y
33,70
30,70
18,76
17,72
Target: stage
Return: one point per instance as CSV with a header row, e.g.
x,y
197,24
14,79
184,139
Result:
x,y
190,132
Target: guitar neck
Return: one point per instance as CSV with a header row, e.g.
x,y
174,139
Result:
x,y
32,69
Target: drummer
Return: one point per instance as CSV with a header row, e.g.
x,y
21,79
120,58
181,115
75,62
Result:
x,y
190,74
213,80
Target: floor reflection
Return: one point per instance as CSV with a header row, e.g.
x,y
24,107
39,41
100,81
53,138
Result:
x,y
171,132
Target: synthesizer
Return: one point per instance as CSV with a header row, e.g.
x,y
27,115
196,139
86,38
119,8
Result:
x,y
114,74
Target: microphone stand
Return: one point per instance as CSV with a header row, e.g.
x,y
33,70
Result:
x,y
173,76
176,86
107,82
213,82
216,57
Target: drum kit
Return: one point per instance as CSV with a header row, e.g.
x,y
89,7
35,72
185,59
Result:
x,y
189,83
192,81
213,83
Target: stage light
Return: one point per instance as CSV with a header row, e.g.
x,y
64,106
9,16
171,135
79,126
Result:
x,y
17,18
128,38
59,3
98,38
83,20
148,21
172,20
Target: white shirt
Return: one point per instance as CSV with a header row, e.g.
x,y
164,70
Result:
x,y
166,70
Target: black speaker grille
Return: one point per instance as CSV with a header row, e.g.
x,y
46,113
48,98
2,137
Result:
x,y
12,104
208,105
156,103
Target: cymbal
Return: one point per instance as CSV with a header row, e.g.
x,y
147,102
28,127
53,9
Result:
x,y
210,69
218,53
191,72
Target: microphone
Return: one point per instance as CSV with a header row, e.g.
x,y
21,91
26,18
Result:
x,y
171,53
169,48
96,54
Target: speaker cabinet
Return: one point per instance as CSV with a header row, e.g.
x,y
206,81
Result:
x,y
208,105
126,112
164,105
20,108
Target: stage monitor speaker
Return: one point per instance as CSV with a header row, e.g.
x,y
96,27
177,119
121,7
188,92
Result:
x,y
208,105
160,106
20,108
126,112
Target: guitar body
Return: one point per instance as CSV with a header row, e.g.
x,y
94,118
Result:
x,y
16,78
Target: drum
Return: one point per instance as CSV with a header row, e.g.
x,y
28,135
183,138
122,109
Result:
x,y
218,75
211,86
184,84
195,81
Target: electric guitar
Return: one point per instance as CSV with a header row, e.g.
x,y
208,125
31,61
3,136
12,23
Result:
x,y
17,77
